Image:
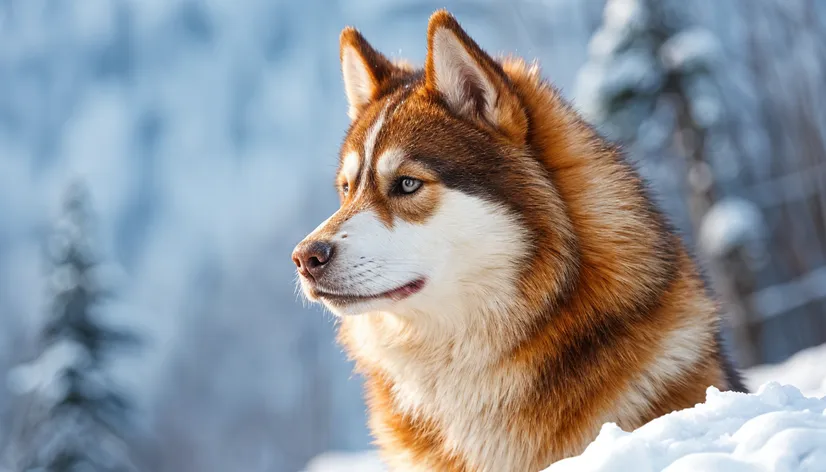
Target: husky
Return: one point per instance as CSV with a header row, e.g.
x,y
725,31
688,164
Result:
x,y
500,275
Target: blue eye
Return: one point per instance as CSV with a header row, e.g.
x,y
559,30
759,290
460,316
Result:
x,y
408,185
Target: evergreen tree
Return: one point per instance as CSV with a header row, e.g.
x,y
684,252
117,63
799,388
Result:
x,y
652,82
76,415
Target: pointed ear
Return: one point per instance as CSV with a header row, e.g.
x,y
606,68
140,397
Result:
x,y
364,69
471,83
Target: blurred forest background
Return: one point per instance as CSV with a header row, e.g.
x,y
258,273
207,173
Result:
x,y
160,158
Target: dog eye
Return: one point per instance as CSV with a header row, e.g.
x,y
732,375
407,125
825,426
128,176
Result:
x,y
408,185
345,187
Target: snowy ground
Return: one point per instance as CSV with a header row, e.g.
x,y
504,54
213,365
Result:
x,y
805,370
780,427
775,429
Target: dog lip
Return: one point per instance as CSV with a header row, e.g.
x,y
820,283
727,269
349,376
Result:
x,y
396,294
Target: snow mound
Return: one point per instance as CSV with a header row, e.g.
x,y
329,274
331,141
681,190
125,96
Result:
x,y
805,370
775,429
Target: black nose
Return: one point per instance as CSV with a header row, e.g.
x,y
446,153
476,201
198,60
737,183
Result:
x,y
311,257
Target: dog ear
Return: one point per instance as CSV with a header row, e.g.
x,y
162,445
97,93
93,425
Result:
x,y
364,70
470,82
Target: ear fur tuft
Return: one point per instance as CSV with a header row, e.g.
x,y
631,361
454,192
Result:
x,y
469,81
363,69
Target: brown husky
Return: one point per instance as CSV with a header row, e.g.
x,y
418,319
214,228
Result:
x,y
503,280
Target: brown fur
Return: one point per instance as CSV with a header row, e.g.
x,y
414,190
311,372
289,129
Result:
x,y
605,290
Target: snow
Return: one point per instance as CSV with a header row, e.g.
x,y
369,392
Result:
x,y
705,106
780,427
776,429
621,14
731,223
42,373
690,50
633,71
805,370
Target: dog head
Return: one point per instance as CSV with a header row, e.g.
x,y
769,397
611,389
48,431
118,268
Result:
x,y
434,176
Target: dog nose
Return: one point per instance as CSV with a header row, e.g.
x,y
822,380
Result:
x,y
311,257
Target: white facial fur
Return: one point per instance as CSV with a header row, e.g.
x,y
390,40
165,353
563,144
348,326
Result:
x,y
350,166
468,252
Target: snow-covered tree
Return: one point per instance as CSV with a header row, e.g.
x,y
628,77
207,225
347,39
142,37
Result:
x,y
652,82
651,79
74,416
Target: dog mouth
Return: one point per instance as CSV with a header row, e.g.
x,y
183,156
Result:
x,y
396,294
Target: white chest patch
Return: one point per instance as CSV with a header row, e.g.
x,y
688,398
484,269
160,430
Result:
x,y
455,386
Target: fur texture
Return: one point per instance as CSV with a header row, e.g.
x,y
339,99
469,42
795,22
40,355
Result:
x,y
525,292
